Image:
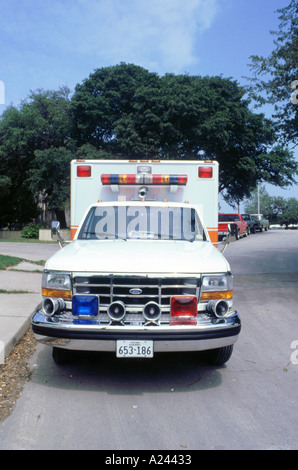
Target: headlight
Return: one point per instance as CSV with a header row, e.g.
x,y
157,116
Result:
x,y
217,286
56,284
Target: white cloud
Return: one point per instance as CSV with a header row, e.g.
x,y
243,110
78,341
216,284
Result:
x,y
47,43
159,34
154,33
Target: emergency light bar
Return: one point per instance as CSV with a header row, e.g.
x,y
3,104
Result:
x,y
144,178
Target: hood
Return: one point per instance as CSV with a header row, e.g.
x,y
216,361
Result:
x,y
137,256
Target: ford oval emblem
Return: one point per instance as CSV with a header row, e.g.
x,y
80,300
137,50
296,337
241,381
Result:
x,y
135,291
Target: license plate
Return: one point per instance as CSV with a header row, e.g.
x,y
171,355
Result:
x,y
133,348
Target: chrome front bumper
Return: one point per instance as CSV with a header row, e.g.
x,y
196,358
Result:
x,y
90,335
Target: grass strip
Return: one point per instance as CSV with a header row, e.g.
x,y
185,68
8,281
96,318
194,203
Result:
x,y
4,291
7,261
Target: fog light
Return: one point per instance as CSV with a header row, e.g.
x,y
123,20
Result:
x,y
85,305
219,307
184,306
52,306
116,311
151,311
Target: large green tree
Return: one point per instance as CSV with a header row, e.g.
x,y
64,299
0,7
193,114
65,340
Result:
x,y
130,112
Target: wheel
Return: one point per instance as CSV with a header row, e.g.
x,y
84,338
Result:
x,y
237,235
218,357
61,356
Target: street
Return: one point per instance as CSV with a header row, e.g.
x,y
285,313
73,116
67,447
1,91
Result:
x,y
175,401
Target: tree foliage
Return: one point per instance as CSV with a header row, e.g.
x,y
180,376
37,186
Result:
x,y
43,121
275,76
277,209
127,111
289,215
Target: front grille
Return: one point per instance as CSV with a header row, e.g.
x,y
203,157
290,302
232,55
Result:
x,y
135,291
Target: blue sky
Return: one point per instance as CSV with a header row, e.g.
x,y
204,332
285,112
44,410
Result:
x,y
49,43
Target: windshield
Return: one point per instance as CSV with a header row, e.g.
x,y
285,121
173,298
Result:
x,y
229,217
142,222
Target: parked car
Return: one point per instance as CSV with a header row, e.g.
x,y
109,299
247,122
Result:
x,y
251,223
225,219
261,222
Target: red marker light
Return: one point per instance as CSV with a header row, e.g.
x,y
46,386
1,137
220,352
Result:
x,y
84,171
205,172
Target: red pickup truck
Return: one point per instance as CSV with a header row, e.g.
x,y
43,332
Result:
x,y
225,219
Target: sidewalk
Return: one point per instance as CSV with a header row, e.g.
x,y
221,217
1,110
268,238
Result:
x,y
16,309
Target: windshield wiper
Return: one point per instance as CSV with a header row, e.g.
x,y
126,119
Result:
x,y
101,236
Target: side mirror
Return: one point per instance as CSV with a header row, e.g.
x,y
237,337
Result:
x,y
56,234
231,236
232,232
54,229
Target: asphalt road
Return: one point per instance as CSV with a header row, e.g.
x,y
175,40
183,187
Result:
x,y
176,402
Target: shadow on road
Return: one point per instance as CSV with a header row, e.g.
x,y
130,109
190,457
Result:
x,y
104,372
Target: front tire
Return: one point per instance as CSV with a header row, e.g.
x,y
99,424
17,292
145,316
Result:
x,y
218,357
61,356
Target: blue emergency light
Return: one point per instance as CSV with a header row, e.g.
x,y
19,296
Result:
x,y
85,305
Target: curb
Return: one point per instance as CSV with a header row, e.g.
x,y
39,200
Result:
x,y
13,341
2,353
7,348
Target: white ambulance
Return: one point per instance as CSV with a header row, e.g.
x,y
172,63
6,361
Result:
x,y
142,274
